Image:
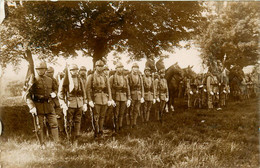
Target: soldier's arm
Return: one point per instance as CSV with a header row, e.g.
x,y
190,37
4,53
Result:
x,y
89,87
54,86
109,89
29,100
128,89
84,92
208,83
142,86
154,91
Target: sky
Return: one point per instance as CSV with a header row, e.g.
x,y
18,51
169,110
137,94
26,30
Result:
x,y
183,56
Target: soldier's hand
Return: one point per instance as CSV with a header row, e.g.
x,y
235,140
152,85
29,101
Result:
x,y
166,99
109,103
128,103
205,90
53,95
154,101
33,111
91,104
211,93
158,99
142,100
191,92
113,103
85,107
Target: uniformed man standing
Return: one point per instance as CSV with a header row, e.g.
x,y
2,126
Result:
x,y
160,63
99,96
137,93
73,98
162,93
40,100
120,88
58,109
210,83
149,94
83,74
150,64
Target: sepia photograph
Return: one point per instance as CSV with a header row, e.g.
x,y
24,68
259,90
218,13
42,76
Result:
x,y
97,83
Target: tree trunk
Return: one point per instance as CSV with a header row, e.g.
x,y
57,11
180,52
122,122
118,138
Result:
x,y
29,59
100,51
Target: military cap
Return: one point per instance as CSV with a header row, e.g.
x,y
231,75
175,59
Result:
x,y
135,65
162,71
147,69
73,67
106,67
50,69
99,63
41,65
83,68
119,64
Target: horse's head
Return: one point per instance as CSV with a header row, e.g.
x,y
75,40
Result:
x,y
189,73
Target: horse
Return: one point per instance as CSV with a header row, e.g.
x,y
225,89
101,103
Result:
x,y
174,76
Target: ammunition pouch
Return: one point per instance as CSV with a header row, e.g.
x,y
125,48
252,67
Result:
x,y
40,98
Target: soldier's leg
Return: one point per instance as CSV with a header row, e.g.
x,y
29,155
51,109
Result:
x,y
148,111
137,110
96,119
77,121
116,116
162,109
40,134
132,113
156,110
128,118
53,125
210,104
102,118
145,110
60,119
122,113
69,122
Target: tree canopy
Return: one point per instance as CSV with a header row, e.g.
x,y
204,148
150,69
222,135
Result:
x,y
142,29
232,35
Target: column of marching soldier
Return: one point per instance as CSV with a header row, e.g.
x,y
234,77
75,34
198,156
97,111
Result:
x,y
62,105
122,94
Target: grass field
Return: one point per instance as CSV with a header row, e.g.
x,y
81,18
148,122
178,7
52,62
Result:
x,y
195,138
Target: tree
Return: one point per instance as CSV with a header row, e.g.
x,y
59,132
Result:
x,y
96,28
232,35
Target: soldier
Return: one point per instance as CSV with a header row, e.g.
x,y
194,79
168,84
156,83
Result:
x,y
149,94
209,83
121,95
99,96
137,93
73,100
160,63
151,64
83,74
58,109
162,94
40,100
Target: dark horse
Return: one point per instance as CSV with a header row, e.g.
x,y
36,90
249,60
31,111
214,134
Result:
x,y
174,76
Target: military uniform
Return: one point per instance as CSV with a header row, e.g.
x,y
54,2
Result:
x,y
137,94
162,94
151,64
98,93
58,109
121,93
39,97
210,90
149,95
75,97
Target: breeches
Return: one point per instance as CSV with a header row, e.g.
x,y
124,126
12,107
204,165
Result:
x,y
146,110
134,111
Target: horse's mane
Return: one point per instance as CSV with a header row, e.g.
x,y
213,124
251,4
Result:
x,y
172,70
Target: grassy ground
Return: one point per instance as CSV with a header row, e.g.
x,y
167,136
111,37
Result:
x,y
196,138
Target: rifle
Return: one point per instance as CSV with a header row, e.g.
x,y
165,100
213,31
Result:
x,y
36,127
93,119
